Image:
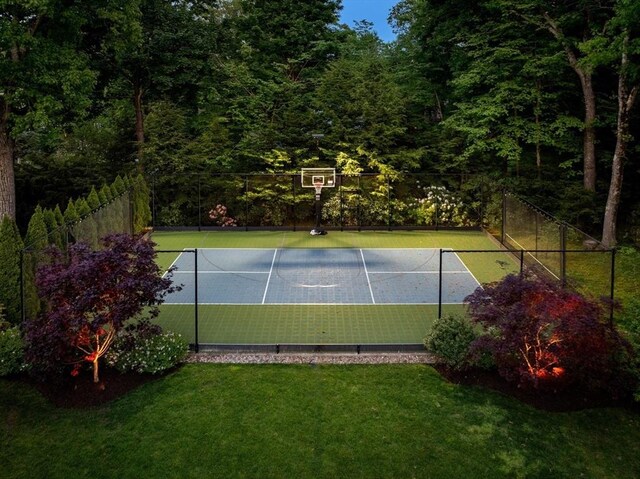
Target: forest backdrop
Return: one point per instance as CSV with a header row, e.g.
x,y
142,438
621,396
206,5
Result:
x,y
536,96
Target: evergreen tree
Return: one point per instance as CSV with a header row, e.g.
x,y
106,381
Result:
x,y
107,192
36,242
53,228
71,215
11,247
63,227
93,200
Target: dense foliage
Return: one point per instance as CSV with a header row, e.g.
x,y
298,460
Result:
x,y
144,348
89,295
450,339
544,336
537,97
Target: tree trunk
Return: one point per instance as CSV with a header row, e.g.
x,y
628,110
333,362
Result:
x,y
589,138
96,379
626,99
137,103
7,178
589,135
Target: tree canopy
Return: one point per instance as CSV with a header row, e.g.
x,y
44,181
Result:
x,y
538,97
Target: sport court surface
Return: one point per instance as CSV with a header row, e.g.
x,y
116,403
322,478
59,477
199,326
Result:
x,y
334,276
308,320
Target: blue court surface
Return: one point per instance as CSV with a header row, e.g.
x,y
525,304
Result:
x,y
320,276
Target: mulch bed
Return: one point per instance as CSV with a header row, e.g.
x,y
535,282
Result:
x,y
82,393
571,399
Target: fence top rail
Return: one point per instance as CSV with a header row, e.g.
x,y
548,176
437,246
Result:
x,y
609,250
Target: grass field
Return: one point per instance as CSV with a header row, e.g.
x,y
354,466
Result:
x,y
322,324
308,421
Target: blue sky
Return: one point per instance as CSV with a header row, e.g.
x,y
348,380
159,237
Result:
x,y
375,11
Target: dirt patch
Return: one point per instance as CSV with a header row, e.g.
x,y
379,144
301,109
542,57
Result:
x,y
571,399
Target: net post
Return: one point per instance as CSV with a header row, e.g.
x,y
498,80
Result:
x,y
195,298
440,286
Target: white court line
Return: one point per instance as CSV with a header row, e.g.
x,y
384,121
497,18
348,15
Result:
x,y
468,270
419,272
222,272
308,304
266,288
534,258
174,262
366,272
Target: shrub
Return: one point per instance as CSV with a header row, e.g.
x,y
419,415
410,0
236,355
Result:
x,y
147,351
89,298
546,336
11,350
450,338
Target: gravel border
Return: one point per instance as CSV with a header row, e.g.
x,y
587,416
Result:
x,y
310,358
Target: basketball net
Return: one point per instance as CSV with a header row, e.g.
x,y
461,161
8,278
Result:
x,y
318,187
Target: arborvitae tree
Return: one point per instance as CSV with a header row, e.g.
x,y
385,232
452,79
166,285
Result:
x,y
119,185
142,210
107,193
102,196
71,215
10,255
37,235
53,228
63,229
82,207
36,242
93,200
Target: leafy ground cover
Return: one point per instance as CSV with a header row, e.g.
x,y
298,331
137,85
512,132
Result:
x,y
310,421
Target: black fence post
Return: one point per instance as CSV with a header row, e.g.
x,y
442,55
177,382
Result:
x,y
440,286
521,262
504,217
563,254
246,203
388,203
341,196
195,295
358,218
153,200
293,192
613,286
199,206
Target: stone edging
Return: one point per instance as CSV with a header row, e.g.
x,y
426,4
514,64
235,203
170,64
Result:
x,y
325,358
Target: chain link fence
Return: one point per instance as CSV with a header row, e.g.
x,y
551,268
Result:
x,y
278,201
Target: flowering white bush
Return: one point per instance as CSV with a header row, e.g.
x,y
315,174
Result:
x,y
11,351
437,205
150,353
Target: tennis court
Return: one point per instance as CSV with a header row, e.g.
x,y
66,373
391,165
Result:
x,y
327,276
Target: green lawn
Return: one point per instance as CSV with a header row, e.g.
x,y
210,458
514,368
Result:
x,y
263,421
321,324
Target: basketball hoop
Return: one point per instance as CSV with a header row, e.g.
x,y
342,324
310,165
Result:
x,y
318,186
317,178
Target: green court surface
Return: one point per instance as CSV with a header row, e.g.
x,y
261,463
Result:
x,y
319,324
